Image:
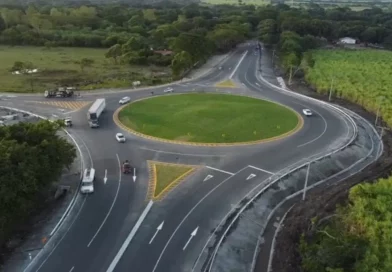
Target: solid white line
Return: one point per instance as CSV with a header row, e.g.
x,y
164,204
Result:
x,y
188,214
236,68
216,169
274,239
73,267
318,137
111,207
184,154
262,170
88,151
129,238
70,226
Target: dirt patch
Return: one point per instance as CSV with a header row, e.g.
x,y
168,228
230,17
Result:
x,y
322,202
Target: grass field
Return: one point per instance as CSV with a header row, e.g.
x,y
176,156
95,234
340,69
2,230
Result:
x,y
235,2
362,76
208,118
166,175
60,66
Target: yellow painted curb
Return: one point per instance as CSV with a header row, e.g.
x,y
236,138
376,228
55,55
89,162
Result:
x,y
279,137
153,179
228,83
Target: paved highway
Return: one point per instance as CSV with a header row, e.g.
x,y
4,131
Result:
x,y
102,222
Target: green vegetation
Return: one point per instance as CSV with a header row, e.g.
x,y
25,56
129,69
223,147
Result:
x,y
171,37
167,176
358,238
362,77
85,67
238,2
208,118
32,159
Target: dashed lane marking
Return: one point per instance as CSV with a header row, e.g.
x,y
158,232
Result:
x,y
72,105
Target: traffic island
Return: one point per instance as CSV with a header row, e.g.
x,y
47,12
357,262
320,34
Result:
x,y
226,84
208,119
164,177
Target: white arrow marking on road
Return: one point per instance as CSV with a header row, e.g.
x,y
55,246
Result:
x,y
158,229
30,256
106,176
257,84
208,177
134,174
193,234
250,176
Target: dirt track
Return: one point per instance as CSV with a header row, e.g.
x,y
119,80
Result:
x,y
322,203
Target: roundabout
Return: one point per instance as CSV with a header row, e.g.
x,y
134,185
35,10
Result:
x,y
208,119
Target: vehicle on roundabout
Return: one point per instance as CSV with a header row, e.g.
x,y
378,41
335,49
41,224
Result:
x,y
307,112
120,138
168,90
126,167
87,186
68,122
124,100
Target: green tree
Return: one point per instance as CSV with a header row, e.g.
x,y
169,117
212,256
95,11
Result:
x,y
180,63
267,31
114,52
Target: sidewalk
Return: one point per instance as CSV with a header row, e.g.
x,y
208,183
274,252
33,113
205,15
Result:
x,y
27,246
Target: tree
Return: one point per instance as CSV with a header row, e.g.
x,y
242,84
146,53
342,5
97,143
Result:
x,y
180,63
267,31
114,52
33,157
86,62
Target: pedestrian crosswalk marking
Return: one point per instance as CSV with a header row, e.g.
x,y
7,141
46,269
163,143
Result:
x,y
72,105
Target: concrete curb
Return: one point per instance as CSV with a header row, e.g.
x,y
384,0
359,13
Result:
x,y
297,128
153,179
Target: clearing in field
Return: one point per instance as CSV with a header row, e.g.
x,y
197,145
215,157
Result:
x,y
226,84
164,177
86,68
363,77
209,118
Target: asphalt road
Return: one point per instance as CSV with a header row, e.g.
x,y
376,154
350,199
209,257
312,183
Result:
x,y
104,220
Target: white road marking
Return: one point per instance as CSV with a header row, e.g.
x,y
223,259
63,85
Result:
x,y
187,215
70,226
216,169
250,176
238,64
183,154
208,177
156,232
129,238
193,234
262,170
318,137
73,267
111,207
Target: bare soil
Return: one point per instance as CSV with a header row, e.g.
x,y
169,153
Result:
x,y
321,203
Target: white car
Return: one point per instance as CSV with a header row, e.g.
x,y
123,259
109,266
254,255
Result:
x,y
124,100
87,186
168,90
120,138
307,112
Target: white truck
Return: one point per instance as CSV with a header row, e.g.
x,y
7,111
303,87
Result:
x,y
95,112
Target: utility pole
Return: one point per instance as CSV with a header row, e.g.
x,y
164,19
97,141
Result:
x,y
378,110
330,89
306,182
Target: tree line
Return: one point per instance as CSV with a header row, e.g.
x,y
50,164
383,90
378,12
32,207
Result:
x,y
33,156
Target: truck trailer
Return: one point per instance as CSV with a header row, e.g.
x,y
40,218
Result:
x,y
60,92
95,112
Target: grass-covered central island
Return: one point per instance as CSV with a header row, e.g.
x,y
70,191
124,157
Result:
x,y
209,118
